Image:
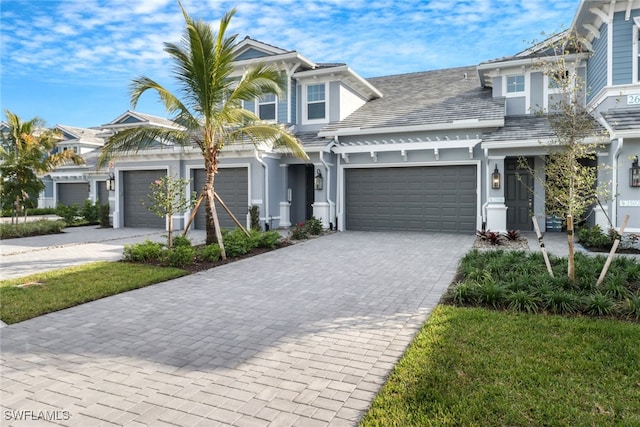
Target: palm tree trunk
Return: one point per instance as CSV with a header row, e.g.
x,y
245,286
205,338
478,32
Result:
x,y
214,234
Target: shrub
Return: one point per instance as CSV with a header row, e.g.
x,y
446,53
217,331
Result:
x,y
492,294
464,293
33,228
181,241
594,237
561,302
236,243
314,226
210,253
180,256
598,304
269,239
254,215
299,232
69,213
512,234
523,301
147,251
490,236
90,211
104,216
631,307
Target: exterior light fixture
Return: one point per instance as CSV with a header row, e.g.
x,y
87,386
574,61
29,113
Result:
x,y
495,178
317,181
634,173
111,183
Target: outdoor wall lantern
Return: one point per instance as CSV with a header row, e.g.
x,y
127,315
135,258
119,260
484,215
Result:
x,y
111,183
634,173
317,181
495,179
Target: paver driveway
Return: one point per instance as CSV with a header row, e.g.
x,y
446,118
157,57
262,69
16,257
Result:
x,y
304,335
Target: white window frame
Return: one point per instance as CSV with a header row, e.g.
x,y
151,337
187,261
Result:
x,y
305,110
260,102
517,92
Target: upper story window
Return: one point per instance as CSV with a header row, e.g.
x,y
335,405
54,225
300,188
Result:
x,y
316,102
267,107
515,83
558,79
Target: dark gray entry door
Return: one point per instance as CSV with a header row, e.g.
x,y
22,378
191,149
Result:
x,y
518,194
73,193
425,198
135,190
232,186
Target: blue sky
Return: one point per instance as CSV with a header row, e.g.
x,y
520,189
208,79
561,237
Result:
x,y
70,62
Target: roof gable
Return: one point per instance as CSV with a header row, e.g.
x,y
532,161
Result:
x,y
249,48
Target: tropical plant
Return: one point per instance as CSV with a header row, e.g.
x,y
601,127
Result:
x,y
168,197
570,175
210,113
27,149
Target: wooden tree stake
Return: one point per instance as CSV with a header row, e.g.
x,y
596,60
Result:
x,y
614,248
541,243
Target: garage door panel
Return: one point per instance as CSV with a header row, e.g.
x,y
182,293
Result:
x,y
232,186
136,189
436,198
73,193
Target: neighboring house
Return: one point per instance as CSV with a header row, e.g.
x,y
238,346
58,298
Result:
x,y
408,152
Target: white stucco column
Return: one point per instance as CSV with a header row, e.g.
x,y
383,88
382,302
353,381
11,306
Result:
x,y
285,205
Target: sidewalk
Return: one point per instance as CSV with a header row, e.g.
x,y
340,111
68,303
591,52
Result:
x,y
75,246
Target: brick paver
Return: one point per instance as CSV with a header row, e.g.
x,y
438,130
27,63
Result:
x,y
304,335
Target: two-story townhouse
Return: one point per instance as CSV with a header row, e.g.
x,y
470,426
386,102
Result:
x,y
436,150
612,29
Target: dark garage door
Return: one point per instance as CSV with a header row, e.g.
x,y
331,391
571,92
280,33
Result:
x,y
232,186
135,190
433,198
73,193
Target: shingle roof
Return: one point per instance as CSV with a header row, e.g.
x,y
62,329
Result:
x,y
431,97
623,119
311,139
519,128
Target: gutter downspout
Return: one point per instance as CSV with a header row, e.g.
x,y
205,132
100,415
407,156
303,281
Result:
x,y
266,185
486,194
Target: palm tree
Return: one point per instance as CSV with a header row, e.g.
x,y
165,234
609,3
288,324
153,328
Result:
x,y
27,150
210,114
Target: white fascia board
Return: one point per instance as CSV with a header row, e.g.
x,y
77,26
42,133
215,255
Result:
x,y
528,143
340,70
287,57
455,125
407,146
515,63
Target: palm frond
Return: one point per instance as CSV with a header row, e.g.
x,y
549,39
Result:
x,y
273,134
141,138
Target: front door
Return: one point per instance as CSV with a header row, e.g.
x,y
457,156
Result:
x,y
519,194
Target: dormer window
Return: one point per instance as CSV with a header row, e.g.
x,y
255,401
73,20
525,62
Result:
x,y
316,102
267,107
515,84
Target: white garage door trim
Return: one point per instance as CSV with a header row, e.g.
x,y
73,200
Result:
x,y
342,183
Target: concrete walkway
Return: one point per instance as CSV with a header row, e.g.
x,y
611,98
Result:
x,y
76,246
304,335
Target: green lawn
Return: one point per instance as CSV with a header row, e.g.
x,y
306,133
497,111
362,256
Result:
x,y
480,367
68,287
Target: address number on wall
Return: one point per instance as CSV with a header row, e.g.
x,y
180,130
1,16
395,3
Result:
x,y
633,99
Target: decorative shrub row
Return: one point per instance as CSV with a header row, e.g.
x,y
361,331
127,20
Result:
x,y
518,280
32,228
182,254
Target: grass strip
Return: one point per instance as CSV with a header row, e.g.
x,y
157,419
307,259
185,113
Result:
x,y
478,367
27,297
